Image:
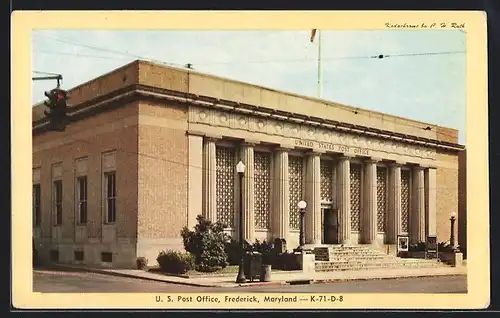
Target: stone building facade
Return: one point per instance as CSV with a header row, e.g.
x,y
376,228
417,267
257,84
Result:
x,y
150,147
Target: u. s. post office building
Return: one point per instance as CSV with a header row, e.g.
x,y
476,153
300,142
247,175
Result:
x,y
150,147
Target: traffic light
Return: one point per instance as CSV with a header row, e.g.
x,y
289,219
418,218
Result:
x,y
57,105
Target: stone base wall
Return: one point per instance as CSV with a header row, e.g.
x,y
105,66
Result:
x,y
150,248
123,254
292,240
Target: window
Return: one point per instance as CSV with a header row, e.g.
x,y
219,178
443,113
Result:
x,y
107,257
82,199
110,182
381,198
262,177
58,202
355,188
405,201
54,255
295,166
79,256
224,176
36,205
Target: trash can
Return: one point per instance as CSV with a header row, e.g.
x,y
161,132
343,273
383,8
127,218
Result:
x,y
265,273
252,265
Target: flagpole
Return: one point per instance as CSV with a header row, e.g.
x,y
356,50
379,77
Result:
x,y
319,65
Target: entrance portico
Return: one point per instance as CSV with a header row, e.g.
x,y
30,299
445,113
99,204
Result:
x,y
380,185
351,199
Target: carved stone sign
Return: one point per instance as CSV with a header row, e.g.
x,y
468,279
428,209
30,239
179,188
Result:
x,y
331,147
308,136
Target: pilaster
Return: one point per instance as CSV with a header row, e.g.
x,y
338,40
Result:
x,y
247,157
417,214
209,180
394,206
280,213
344,199
430,200
313,199
370,202
195,174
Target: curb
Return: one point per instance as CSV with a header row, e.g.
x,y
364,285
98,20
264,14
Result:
x,y
337,280
249,284
104,272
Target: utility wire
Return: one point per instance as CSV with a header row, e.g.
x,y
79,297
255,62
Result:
x,y
47,73
421,54
302,60
97,48
82,55
380,56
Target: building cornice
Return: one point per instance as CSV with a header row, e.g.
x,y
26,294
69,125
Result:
x,y
137,92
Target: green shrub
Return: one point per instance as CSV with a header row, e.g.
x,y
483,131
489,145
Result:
x,y
286,262
175,262
266,249
142,262
419,247
444,247
207,244
233,251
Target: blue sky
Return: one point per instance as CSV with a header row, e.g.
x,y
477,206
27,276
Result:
x,y
428,88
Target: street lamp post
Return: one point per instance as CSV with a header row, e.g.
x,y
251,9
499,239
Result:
x,y
452,232
302,209
240,168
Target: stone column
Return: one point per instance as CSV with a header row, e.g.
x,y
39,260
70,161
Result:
x,y
195,174
344,199
313,199
417,214
281,210
370,202
394,206
209,180
247,157
430,201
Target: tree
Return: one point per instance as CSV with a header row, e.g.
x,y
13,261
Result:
x,y
207,244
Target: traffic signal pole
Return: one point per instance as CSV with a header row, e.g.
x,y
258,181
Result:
x,y
43,78
56,104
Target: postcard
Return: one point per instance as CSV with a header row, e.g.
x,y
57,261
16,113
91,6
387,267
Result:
x,y
250,160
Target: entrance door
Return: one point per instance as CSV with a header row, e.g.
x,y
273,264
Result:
x,y
331,226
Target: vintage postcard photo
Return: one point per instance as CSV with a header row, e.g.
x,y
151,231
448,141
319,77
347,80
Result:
x,y
296,160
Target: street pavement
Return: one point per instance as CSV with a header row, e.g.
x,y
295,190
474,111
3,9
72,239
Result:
x,y
52,281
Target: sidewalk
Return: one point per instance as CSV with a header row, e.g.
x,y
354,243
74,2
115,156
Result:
x,y
277,278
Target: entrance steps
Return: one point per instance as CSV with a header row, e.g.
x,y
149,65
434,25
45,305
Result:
x,y
362,257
